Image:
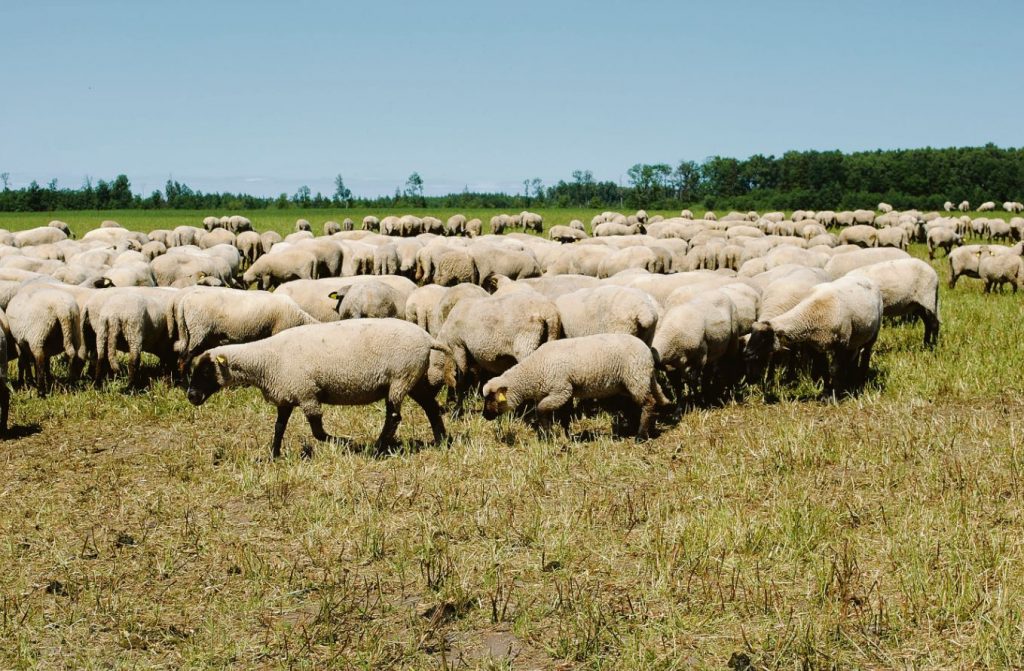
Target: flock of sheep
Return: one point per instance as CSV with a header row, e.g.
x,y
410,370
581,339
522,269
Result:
x,y
614,314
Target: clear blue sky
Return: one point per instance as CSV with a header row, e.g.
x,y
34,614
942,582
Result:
x,y
263,97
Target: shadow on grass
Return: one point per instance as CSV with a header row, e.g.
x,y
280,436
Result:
x,y
21,431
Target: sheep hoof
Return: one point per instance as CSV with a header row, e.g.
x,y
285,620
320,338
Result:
x,y
307,451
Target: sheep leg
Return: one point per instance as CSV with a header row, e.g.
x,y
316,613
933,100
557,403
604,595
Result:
x,y
283,413
931,328
646,427
392,418
42,365
5,406
548,405
426,399
316,425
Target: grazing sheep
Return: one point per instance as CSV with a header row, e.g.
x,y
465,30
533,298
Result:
x,y
371,223
987,206
271,270
566,234
861,235
909,287
332,227
45,321
368,299
346,363
303,225
268,239
692,338
204,317
602,367
964,206
614,228
136,274
892,237
839,319
998,229
39,236
884,207
948,206
250,246
61,226
456,225
1000,269
942,237
474,228
313,295
133,320
608,309
421,304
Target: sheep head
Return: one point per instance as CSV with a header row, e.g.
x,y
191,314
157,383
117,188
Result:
x,y
208,376
495,399
338,296
759,348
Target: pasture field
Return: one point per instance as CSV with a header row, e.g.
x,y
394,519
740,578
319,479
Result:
x,y
776,531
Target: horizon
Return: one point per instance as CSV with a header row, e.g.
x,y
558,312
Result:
x,y
251,99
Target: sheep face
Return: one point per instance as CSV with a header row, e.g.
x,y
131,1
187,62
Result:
x,y
495,401
206,379
759,348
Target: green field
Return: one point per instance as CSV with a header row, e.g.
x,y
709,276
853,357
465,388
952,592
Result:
x,y
881,531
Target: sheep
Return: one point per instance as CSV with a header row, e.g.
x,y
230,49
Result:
x,y
303,225
218,236
601,367
368,299
942,237
137,274
489,335
420,306
839,320
44,321
331,227
204,317
313,295
566,234
474,228
456,266
999,269
614,228
608,309
884,207
109,223
502,260
268,239
948,206
861,235
692,337
456,224
964,206
271,270
908,287
63,227
892,237
346,363
39,236
998,229
132,320
371,223
987,206
842,263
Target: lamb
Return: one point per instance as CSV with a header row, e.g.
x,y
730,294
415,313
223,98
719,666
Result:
x,y
368,299
999,269
909,287
205,317
44,321
345,363
271,270
839,320
608,309
600,367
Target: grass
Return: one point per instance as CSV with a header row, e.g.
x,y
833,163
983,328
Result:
x,y
881,531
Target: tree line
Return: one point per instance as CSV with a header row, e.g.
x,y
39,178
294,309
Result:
x,y
905,178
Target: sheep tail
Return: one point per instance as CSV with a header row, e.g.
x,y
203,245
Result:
x,y
112,328
177,323
69,331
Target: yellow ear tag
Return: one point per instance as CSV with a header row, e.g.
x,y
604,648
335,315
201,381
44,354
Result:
x,y
221,359
500,396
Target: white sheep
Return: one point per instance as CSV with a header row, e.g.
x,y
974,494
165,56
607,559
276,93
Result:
x,y
603,367
44,321
354,362
608,309
839,320
1000,269
909,287
368,299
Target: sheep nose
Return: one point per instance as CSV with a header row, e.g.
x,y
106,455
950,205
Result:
x,y
195,397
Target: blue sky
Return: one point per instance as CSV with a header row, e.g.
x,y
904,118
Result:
x,y
264,97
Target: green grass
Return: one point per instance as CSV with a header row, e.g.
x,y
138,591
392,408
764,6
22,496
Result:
x,y
878,532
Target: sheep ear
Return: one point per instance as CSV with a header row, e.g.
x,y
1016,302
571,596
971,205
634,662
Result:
x,y
221,360
333,295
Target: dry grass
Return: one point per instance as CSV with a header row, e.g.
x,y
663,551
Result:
x,y
878,532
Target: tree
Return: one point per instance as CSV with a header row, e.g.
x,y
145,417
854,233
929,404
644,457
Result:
x,y
302,196
342,194
121,193
282,201
414,186
5,177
